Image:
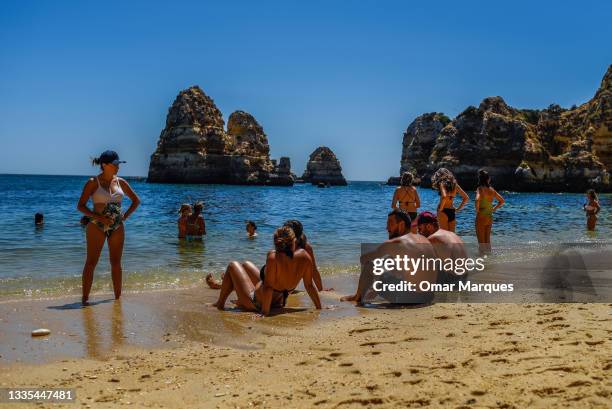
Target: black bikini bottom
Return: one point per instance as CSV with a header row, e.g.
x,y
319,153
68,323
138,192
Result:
x,y
413,215
450,214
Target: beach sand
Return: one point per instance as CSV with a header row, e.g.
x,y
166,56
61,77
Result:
x,y
168,349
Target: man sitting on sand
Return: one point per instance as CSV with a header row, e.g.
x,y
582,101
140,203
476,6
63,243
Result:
x,y
401,243
446,244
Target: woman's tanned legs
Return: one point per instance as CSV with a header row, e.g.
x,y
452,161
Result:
x,y
236,279
95,242
115,250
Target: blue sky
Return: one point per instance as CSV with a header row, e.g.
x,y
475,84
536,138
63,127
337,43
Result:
x,y
80,77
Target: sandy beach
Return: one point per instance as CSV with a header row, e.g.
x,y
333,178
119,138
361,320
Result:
x,y
168,349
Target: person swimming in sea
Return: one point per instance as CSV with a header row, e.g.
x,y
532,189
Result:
x,y
591,208
251,229
185,211
445,183
485,194
260,290
407,197
39,220
107,221
196,227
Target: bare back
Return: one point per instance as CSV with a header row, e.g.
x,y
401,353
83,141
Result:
x,y
407,198
284,272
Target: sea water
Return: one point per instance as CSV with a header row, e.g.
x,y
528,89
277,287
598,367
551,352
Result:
x,y
37,262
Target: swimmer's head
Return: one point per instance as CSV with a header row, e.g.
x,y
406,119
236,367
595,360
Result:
x,y
284,240
251,227
398,223
427,223
39,219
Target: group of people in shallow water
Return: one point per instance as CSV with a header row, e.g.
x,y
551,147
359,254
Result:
x,y
292,260
406,197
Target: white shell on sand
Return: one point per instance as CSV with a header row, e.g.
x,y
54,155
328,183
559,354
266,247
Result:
x,y
40,332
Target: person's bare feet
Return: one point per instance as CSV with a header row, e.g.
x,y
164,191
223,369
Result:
x,y
212,283
350,298
218,306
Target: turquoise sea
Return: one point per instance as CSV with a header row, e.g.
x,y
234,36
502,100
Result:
x,y
38,262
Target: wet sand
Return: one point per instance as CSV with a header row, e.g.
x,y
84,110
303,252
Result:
x,y
168,349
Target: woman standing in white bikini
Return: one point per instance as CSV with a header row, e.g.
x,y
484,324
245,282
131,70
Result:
x,y
106,191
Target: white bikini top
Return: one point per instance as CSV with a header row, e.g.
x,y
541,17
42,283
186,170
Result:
x,y
104,196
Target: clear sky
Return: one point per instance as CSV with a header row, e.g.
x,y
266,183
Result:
x,y
80,77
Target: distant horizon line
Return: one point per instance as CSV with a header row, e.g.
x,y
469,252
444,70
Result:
x,y
144,177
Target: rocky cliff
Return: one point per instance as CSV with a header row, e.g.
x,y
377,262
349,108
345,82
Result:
x,y
554,149
323,167
195,148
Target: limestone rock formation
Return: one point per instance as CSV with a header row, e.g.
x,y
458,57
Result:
x,y
419,140
195,148
554,149
323,167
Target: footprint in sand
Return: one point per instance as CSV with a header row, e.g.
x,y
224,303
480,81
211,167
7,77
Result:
x,y
360,330
374,343
579,383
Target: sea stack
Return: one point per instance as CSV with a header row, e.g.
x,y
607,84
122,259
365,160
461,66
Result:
x,y
195,148
324,167
554,149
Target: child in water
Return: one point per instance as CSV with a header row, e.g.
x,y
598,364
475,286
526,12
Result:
x,y
591,207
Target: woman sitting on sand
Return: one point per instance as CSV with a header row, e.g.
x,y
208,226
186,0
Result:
x,y
261,290
407,196
484,209
302,243
106,191
591,207
185,212
446,184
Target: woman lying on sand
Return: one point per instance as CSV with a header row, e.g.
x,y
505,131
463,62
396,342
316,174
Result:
x,y
261,290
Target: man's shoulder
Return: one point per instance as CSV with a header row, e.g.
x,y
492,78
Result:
x,y
446,236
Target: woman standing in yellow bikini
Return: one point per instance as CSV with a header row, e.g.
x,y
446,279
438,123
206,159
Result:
x,y
407,197
484,209
106,191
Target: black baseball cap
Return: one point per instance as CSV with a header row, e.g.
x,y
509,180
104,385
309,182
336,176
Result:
x,y
110,157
